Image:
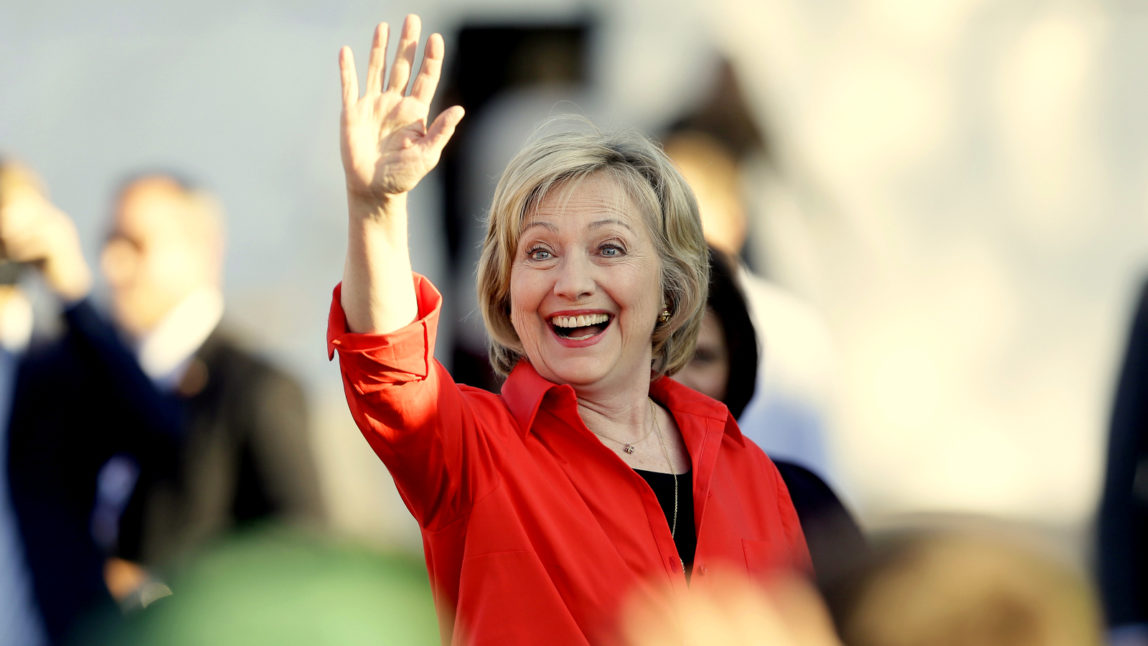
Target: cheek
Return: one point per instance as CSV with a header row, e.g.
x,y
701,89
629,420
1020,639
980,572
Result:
x,y
721,378
523,303
119,263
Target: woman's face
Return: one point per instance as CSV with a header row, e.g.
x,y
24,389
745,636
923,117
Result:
x,y
585,287
708,370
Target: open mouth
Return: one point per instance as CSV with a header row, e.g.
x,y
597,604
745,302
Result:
x,y
582,326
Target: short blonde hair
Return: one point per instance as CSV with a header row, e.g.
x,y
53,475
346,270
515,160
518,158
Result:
x,y
966,587
668,209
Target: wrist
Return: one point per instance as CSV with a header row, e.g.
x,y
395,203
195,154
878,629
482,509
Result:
x,y
373,205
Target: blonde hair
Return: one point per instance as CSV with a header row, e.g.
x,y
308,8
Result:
x,y
668,209
968,588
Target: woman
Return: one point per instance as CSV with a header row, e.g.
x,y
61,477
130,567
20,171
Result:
x,y
537,506
724,366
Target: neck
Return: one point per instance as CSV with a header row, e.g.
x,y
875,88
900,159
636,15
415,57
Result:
x,y
622,416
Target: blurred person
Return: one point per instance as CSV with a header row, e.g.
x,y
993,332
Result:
x,y
1123,520
244,450
725,367
145,438
788,414
786,611
543,506
964,587
20,620
64,420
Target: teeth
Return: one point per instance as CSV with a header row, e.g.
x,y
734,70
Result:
x,y
582,320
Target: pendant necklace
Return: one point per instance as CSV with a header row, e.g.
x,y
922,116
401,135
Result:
x,y
628,447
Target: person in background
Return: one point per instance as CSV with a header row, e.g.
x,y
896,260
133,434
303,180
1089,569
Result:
x,y
788,414
544,505
145,437
786,611
968,585
244,451
725,367
64,420
22,196
1122,545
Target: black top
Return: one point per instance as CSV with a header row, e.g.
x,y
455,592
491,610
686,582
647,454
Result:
x,y
1123,519
685,534
835,540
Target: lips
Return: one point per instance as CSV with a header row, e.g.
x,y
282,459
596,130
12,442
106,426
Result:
x,y
579,326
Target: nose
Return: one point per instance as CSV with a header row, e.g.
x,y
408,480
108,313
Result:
x,y
575,279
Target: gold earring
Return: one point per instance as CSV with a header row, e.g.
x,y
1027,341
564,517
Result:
x,y
664,316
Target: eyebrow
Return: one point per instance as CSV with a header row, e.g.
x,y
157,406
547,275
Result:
x,y
593,225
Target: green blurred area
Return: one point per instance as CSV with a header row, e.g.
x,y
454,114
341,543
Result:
x,y
282,586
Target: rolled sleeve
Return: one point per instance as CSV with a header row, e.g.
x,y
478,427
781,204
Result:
x,y
407,354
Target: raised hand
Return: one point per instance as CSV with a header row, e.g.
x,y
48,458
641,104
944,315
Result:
x,y
386,144
36,233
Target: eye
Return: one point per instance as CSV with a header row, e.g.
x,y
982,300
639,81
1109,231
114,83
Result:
x,y
539,253
611,250
704,356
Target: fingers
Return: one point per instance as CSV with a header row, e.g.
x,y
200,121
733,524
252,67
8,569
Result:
x,y
349,78
405,56
425,84
427,81
376,66
443,127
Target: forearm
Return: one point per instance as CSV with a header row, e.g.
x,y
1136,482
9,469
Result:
x,y
378,294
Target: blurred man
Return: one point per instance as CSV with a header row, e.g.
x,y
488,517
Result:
x,y
57,419
245,452
144,449
20,622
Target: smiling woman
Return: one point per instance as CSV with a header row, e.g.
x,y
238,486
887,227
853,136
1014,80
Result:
x,y
544,507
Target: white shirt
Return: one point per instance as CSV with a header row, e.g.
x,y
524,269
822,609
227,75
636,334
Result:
x,y
165,351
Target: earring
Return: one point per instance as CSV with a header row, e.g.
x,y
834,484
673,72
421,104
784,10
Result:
x,y
664,316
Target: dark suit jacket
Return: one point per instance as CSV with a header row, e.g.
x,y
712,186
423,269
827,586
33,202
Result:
x,y
1123,522
77,400
835,540
244,454
232,447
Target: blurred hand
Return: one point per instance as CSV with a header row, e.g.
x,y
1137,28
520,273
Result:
x,y
732,611
385,142
34,232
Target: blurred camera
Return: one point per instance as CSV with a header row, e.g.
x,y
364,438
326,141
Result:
x,y
11,272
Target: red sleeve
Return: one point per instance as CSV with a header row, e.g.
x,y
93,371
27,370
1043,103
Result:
x,y
414,416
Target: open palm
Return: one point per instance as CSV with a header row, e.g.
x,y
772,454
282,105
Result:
x,y
386,144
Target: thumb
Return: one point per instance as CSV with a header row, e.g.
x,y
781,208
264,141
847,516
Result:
x,y
443,126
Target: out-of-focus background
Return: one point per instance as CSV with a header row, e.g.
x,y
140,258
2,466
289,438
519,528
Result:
x,y
959,187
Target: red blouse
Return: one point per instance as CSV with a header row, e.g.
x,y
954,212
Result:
x,y
533,530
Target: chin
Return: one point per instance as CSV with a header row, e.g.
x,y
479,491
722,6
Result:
x,y
575,373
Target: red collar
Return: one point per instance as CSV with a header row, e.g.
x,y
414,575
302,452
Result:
x,y
525,390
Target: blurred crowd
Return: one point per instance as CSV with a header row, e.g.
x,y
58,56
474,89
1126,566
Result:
x,y
160,483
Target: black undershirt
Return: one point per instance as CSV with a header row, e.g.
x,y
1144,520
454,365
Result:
x,y
685,536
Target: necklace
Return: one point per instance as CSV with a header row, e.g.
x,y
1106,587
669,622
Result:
x,y
670,465
628,447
